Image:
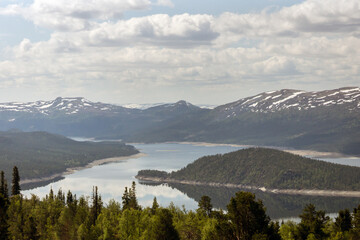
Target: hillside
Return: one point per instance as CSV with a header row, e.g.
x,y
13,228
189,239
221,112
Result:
x,y
269,168
40,154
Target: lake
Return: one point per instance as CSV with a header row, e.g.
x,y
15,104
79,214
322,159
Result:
x,y
112,179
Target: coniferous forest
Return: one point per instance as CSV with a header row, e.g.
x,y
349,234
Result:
x,y
65,216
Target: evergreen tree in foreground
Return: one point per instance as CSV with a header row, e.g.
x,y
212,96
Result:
x,y
15,188
4,204
205,205
3,186
96,205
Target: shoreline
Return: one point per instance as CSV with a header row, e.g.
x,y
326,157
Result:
x,y
301,152
89,165
306,192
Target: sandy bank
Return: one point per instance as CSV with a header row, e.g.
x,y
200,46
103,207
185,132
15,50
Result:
x,y
307,153
89,165
309,192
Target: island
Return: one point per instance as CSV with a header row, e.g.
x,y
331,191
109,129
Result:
x,y
267,170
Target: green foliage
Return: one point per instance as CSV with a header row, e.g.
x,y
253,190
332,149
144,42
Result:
x,y
60,217
155,206
270,168
247,216
312,223
51,218
343,221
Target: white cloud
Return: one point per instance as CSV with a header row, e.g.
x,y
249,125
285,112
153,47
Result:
x,y
309,45
310,17
73,15
177,31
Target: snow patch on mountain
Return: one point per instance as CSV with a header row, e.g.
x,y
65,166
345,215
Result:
x,y
60,105
287,99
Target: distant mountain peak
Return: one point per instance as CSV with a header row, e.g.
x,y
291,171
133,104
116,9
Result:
x,y
285,99
65,105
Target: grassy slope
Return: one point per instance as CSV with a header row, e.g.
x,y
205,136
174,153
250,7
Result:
x,y
39,154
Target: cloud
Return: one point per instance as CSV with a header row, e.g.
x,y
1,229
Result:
x,y
176,31
315,42
179,31
73,15
309,17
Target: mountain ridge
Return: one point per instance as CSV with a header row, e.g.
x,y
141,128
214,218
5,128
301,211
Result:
x,y
282,99
323,121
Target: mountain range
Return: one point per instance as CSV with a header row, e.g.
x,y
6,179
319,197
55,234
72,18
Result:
x,y
325,120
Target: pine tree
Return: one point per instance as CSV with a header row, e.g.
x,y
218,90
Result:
x,y
312,222
2,183
247,216
126,199
155,206
96,205
4,204
15,188
205,205
343,221
133,203
3,217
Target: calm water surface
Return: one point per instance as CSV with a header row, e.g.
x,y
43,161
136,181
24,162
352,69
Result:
x,y
112,178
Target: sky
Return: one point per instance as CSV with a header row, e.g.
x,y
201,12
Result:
x,y
151,51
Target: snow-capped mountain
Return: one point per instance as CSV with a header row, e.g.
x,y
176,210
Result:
x,y
60,105
285,99
78,104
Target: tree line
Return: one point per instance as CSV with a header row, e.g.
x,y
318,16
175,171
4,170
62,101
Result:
x,y
65,216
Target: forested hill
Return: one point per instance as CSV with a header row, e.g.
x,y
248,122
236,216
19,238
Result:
x,y
262,167
40,154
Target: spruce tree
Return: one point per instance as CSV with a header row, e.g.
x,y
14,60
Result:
x,y
96,205
155,206
205,205
15,188
133,203
343,221
3,186
125,199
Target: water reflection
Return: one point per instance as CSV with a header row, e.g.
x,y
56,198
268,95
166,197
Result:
x,y
278,206
112,178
